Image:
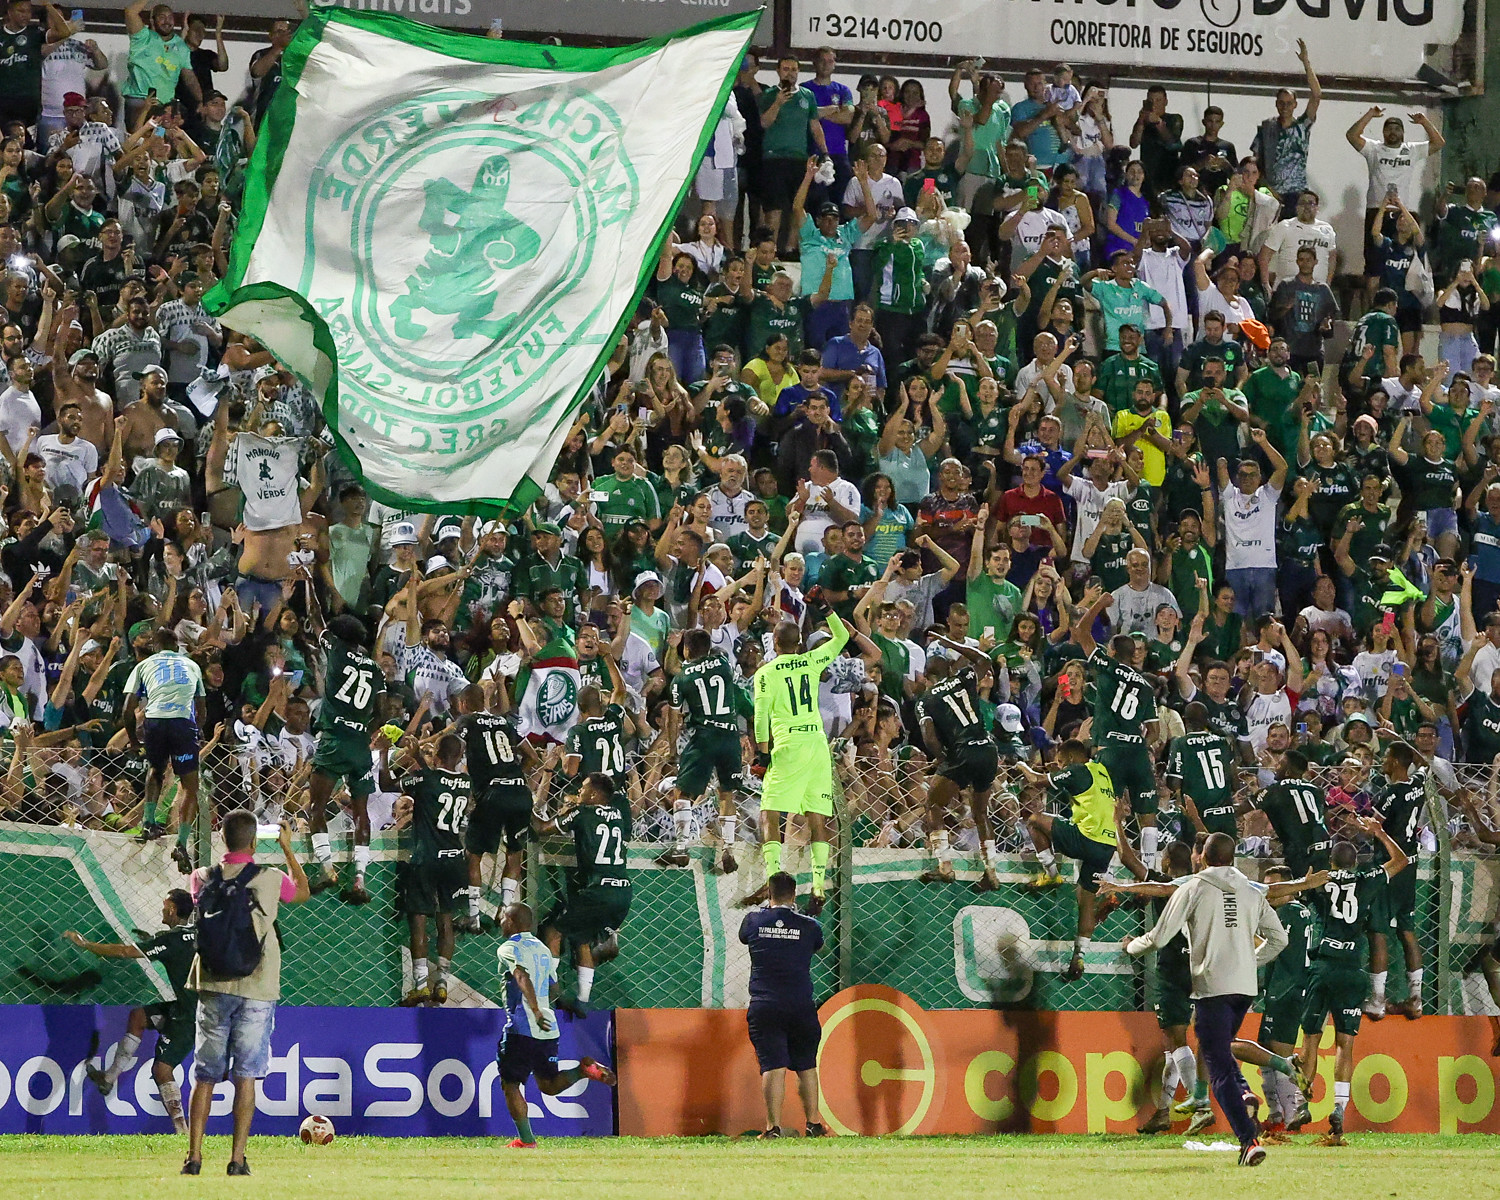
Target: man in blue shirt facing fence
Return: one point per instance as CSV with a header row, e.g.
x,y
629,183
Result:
x,y
783,1016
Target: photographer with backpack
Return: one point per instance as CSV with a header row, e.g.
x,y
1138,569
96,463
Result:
x,y
237,974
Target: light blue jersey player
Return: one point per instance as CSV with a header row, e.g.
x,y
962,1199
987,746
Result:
x,y
529,1044
172,685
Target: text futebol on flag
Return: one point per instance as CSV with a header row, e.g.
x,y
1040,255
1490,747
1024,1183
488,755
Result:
x,y
444,236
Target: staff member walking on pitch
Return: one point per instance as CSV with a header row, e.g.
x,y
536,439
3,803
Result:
x,y
1223,914
783,1017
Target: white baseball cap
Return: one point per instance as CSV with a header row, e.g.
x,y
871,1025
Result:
x,y
403,533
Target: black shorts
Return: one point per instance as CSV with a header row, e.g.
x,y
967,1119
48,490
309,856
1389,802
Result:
x,y
1301,860
437,887
590,915
972,767
779,180
784,1040
1093,857
502,814
521,1057
176,1025
171,740
1409,319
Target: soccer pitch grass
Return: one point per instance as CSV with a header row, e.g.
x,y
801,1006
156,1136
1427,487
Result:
x,y
1112,1167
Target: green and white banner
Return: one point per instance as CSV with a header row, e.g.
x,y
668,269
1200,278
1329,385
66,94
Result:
x,y
445,235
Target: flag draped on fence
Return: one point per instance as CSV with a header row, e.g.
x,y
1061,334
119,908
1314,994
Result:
x,y
444,235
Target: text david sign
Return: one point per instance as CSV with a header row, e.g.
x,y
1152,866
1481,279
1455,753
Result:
x,y
1376,39
388,1072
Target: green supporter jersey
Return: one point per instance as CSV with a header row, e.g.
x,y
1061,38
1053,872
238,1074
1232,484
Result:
x,y
1401,805
1287,973
841,574
747,547
598,743
1226,350
1270,397
1338,487
1378,330
1203,763
724,324
1451,423
439,814
1432,484
354,686
1090,795
1463,233
766,321
1344,905
788,135
1123,306
1108,561
704,692
1297,811
1118,377
21,62
156,64
1124,700
786,691
992,603
624,501
952,705
1483,726
1300,542
1185,567
900,278
681,303
492,751
601,838
1225,717
1364,540
895,662
173,950
536,575
1140,507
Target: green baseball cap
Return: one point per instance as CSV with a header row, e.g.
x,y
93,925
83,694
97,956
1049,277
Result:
x,y
139,628
547,527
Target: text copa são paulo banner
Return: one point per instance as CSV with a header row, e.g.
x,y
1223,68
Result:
x,y
1374,39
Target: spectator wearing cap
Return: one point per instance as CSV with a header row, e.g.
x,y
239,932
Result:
x,y
821,236
148,415
92,146
161,486
189,335
445,537
900,291
646,619
129,348
548,568
391,578
490,574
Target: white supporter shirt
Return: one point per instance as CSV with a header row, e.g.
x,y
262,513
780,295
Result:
x,y
1091,503
1400,165
1235,311
729,511
1289,236
1249,526
1267,709
1135,611
816,518
1031,376
69,464
265,470
1162,269
1033,227
19,411
889,199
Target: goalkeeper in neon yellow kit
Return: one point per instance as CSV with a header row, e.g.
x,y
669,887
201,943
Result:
x,y
788,723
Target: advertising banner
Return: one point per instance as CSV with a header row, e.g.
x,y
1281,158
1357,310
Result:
x,y
888,1066
1371,39
389,1072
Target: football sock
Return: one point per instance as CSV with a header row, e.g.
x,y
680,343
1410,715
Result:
x,y
1268,1081
1148,845
819,866
148,816
728,826
1168,1081
1291,1097
682,821
322,851
442,970
1414,984
1081,945
585,984
1340,1096
1187,1071
1377,986
419,972
184,831
1282,1065
171,1099
989,853
361,862
1048,860
940,845
510,891
124,1058
771,852
473,897
523,1129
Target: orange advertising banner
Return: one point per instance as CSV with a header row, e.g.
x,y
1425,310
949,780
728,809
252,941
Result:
x,y
887,1066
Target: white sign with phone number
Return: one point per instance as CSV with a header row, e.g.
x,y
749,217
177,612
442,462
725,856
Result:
x,y
1371,39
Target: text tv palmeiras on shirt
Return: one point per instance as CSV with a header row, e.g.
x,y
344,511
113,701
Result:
x,y
445,235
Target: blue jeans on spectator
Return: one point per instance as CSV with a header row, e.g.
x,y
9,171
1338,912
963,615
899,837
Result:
x,y
234,1037
862,266
827,320
1458,351
1164,348
1254,590
685,349
1217,1020
1294,583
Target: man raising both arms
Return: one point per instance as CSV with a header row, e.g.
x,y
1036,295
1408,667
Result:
x,y
800,777
354,685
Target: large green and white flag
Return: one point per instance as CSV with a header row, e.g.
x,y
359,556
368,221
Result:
x,y
444,235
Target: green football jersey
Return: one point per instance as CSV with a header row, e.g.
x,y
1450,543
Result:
x,y
439,815
174,949
1225,717
1298,813
1203,762
1344,904
952,706
704,692
1124,700
599,743
601,836
491,751
1288,970
747,548
354,683
1401,805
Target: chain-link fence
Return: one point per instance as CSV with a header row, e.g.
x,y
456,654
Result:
x,y
73,863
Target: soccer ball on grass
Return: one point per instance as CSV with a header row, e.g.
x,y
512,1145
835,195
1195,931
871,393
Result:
x,y
317,1130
